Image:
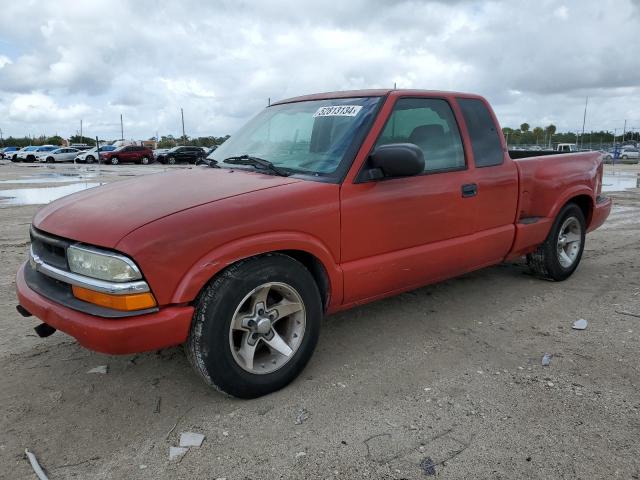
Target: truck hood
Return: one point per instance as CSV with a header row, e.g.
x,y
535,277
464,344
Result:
x,y
103,215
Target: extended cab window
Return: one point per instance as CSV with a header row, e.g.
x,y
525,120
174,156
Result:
x,y
428,123
485,142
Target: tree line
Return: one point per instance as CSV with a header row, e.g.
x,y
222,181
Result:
x,y
545,135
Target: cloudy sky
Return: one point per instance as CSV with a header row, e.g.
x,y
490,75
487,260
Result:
x,y
221,60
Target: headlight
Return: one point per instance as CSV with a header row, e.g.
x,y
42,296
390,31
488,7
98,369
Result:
x,y
101,264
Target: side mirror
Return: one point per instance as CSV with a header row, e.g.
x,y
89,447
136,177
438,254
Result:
x,y
396,160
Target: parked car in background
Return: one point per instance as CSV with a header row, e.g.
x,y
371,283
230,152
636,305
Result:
x,y
182,154
8,152
22,152
629,153
128,154
90,156
64,154
160,151
28,154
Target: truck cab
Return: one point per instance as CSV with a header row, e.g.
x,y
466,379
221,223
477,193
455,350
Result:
x,y
566,147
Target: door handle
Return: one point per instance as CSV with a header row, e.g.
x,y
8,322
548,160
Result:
x,y
469,190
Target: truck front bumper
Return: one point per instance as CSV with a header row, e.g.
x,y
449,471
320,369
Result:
x,y
600,212
167,327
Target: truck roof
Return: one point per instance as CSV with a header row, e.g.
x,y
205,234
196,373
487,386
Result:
x,y
379,92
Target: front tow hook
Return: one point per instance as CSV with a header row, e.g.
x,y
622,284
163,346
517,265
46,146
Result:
x,y
23,311
44,330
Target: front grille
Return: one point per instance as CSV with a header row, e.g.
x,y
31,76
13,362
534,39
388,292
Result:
x,y
52,250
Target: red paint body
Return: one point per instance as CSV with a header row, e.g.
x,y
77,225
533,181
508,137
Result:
x,y
373,239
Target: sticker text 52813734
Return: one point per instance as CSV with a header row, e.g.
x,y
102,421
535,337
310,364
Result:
x,y
338,111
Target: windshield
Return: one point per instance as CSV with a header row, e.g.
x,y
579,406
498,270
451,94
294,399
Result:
x,y
312,137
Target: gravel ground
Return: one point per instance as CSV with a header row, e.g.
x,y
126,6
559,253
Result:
x,y
444,380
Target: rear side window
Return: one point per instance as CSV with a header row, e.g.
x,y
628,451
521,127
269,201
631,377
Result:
x,y
485,141
428,123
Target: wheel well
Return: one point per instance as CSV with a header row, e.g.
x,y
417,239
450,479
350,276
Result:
x,y
586,205
315,267
317,270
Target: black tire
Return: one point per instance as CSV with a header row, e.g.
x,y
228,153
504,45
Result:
x,y
114,160
544,262
89,159
171,160
50,160
208,346
145,161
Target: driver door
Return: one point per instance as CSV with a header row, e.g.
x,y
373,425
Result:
x,y
400,233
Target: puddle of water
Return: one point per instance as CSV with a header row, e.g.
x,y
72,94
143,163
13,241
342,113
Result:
x,y
38,196
49,178
618,182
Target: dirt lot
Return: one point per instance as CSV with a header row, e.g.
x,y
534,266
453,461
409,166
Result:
x,y
451,372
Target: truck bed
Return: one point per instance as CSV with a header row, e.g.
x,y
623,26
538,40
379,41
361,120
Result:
x,y
545,185
518,154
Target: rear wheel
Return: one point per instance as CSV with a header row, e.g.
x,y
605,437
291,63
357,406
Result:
x,y
171,160
558,257
624,157
114,160
255,326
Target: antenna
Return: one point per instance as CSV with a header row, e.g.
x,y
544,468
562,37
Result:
x,y
584,119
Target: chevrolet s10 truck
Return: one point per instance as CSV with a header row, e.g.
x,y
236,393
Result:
x,y
318,204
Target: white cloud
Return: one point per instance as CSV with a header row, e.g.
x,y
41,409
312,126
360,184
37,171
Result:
x,y
37,108
220,61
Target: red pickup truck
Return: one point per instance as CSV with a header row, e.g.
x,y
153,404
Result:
x,y
318,204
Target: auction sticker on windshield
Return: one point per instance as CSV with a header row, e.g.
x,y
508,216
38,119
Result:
x,y
338,111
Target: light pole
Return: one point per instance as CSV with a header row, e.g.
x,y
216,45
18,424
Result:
x,y
121,129
184,137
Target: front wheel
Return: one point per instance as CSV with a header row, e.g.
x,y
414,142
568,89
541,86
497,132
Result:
x,y
145,161
624,157
89,159
171,160
558,257
114,160
255,326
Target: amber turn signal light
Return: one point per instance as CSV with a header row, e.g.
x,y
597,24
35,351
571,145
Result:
x,y
127,303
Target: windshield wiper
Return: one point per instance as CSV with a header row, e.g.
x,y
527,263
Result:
x,y
256,162
207,161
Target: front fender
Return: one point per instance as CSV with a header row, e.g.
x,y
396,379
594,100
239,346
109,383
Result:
x,y
219,258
